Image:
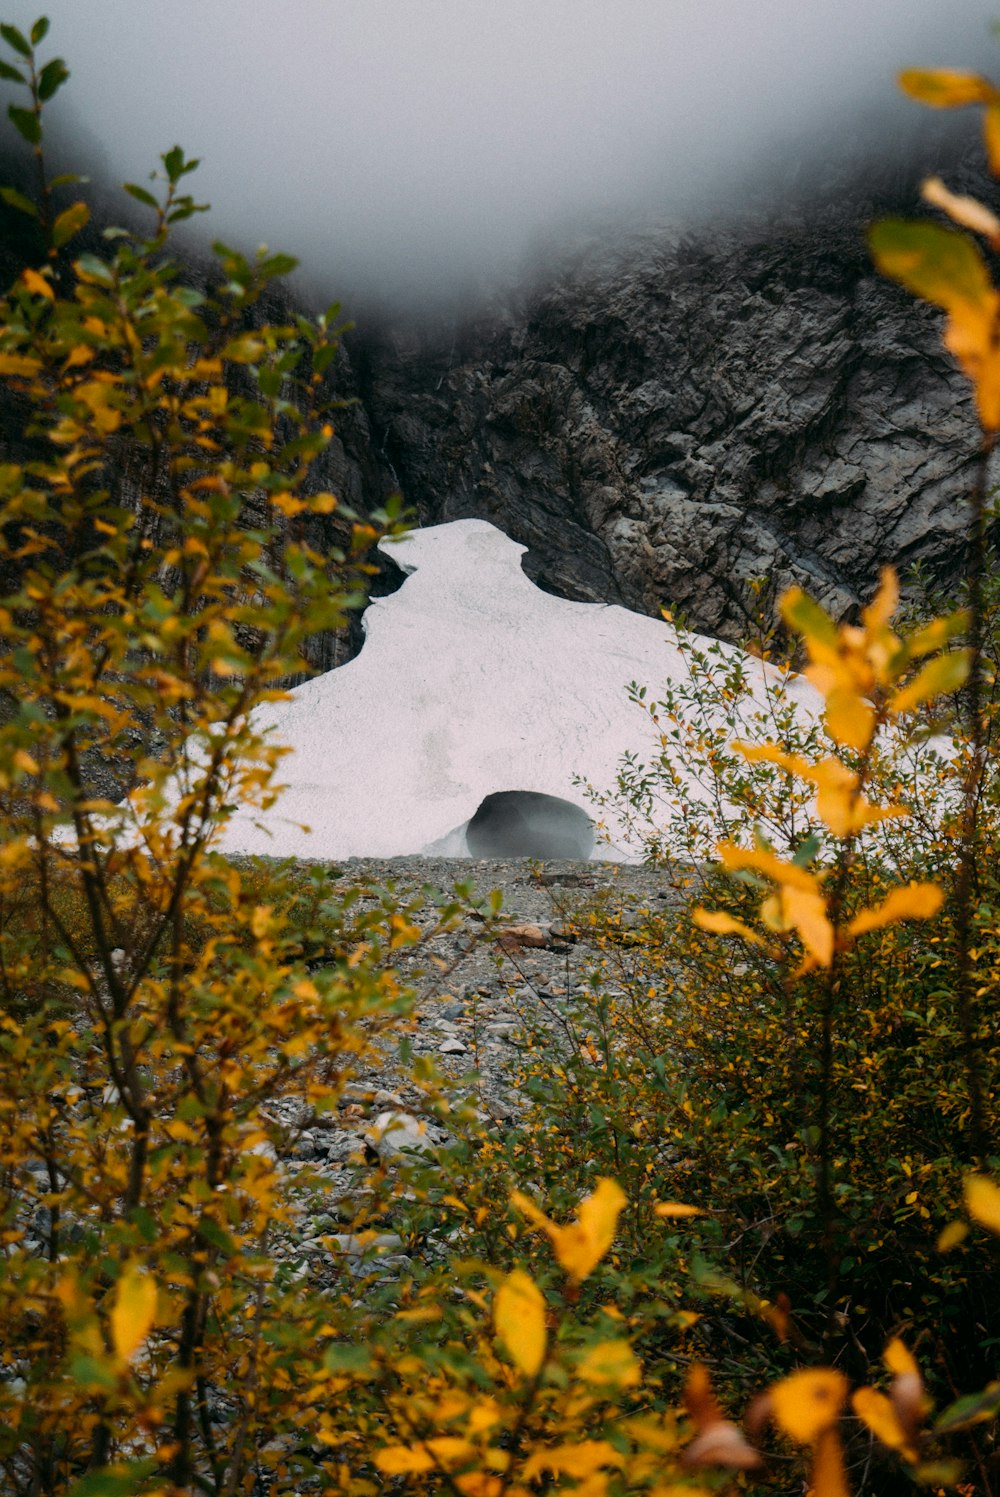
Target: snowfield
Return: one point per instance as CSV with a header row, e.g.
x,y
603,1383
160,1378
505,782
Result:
x,y
471,683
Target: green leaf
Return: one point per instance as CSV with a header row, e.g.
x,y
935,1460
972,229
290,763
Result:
x,y
15,39
96,269
341,1357
806,852
942,265
277,265
40,30
141,194
11,73
17,200
69,223
805,615
92,1372
185,210
118,1481
974,1408
217,1236
26,123
173,163
51,78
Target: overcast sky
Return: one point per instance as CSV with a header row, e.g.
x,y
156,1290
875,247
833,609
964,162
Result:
x,y
419,144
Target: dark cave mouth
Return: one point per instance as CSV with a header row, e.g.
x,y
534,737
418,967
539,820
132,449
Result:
x,y
527,824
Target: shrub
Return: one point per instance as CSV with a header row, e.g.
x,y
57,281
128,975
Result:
x,y
164,1012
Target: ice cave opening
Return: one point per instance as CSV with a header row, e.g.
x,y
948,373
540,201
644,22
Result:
x,y
526,824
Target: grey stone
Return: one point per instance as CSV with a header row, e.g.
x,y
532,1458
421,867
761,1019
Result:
x,y
365,1243
394,1132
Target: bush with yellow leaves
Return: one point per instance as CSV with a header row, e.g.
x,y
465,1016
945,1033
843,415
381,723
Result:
x,y
156,1003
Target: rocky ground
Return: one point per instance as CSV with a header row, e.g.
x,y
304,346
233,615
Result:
x,y
478,989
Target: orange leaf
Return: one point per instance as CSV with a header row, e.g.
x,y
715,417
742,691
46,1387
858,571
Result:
x,y
991,136
37,284
876,1411
718,1442
908,902
807,1403
946,88
828,1476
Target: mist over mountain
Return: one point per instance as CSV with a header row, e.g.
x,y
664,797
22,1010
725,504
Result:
x,y
418,150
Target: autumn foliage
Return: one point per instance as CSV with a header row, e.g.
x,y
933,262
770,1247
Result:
x,y
765,1182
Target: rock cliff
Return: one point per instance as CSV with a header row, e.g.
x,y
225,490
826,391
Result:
x,y
667,420
664,419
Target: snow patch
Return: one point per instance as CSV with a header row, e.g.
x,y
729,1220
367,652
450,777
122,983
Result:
x,y
472,685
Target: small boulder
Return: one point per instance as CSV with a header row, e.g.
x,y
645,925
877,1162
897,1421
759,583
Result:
x,y
394,1133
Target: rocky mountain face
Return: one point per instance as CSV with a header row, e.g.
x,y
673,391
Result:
x,y
666,421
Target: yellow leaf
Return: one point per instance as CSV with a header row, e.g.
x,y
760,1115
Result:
x,y
839,802
24,761
967,211
721,924
908,902
770,753
580,1246
940,676
946,88
900,1360
133,1312
828,1478
850,719
982,1201
597,1218
876,614
289,505
582,1458
674,1208
760,861
260,920
808,1402
15,363
942,265
951,1235
876,1411
37,284
519,1317
401,1460
968,336
611,1363
450,1449
806,910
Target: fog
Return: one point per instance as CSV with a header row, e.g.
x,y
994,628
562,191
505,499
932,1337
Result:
x,y
411,148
